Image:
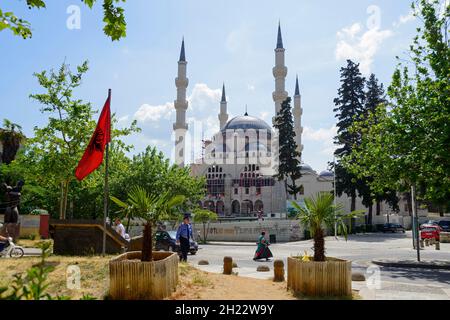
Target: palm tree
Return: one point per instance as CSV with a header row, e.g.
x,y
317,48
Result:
x,y
11,137
319,212
205,217
151,208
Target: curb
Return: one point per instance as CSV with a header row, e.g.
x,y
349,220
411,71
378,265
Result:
x,y
417,265
242,244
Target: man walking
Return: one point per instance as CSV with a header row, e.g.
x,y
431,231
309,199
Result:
x,y
184,234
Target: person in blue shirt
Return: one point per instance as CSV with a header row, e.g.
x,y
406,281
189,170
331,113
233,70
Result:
x,y
184,234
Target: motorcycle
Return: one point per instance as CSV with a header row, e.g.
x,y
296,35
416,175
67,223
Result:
x,y
11,250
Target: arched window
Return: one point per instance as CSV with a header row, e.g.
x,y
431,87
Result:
x,y
247,207
235,207
259,206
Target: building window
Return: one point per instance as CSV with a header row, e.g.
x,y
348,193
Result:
x,y
247,190
258,190
236,191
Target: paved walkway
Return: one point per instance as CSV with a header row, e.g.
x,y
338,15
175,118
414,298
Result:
x,y
393,283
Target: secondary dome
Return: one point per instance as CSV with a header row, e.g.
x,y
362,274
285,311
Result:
x,y
246,122
326,173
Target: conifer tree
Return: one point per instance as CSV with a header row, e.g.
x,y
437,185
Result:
x,y
349,108
289,164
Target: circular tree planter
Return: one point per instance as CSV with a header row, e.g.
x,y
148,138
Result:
x,y
132,279
329,278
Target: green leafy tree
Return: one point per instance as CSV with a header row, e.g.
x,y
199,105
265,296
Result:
x,y
48,160
289,164
408,145
113,17
349,107
204,217
11,137
151,208
375,96
152,171
318,213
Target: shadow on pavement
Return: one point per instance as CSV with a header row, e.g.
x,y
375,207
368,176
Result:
x,y
378,237
441,276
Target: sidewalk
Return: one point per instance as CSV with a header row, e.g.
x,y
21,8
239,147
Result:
x,y
401,291
388,290
424,264
223,243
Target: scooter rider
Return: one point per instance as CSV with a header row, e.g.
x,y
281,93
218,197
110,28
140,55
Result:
x,y
3,243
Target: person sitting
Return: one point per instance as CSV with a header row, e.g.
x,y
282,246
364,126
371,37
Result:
x,y
120,229
3,243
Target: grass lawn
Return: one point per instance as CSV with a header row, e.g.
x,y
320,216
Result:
x,y
94,274
193,284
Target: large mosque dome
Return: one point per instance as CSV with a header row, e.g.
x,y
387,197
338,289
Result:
x,y
246,122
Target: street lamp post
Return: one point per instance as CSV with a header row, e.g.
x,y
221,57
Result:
x,y
334,192
415,219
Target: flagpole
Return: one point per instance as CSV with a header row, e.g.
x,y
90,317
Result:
x,y
106,191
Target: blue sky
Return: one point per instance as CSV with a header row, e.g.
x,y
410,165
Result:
x,y
226,40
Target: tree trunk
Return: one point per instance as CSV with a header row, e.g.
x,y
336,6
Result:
x,y
441,210
353,208
294,187
63,202
128,224
369,216
204,232
147,243
319,246
378,207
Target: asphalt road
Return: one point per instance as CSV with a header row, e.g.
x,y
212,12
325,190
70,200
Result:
x,y
361,249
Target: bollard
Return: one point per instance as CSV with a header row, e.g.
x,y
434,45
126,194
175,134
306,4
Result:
x,y
278,270
427,242
227,265
421,244
438,245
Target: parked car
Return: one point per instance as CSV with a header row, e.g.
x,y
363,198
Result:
x,y
445,225
393,227
430,232
166,240
429,223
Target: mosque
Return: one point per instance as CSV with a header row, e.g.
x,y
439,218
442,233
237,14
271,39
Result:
x,y
239,161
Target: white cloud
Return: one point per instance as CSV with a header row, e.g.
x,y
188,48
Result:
x,y
239,40
358,46
251,87
204,97
324,136
403,19
123,119
264,115
154,113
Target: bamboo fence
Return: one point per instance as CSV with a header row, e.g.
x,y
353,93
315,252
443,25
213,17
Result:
x,y
330,278
132,279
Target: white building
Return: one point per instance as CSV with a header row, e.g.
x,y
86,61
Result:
x,y
239,161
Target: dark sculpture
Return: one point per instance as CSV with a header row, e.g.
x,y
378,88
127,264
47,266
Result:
x,y
11,218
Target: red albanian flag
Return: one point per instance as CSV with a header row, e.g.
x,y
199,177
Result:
x,y
93,155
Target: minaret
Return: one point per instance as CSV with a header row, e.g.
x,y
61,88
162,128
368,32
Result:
x,y
180,127
280,73
223,115
298,111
